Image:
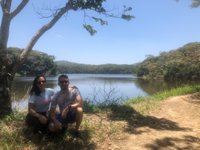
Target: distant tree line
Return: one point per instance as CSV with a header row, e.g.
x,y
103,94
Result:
x,y
180,64
69,67
39,62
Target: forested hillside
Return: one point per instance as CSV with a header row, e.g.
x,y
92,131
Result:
x,y
69,67
180,64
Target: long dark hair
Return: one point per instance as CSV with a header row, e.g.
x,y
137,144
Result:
x,y
35,88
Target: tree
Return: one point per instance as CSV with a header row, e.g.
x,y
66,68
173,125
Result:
x,y
195,3
7,66
36,63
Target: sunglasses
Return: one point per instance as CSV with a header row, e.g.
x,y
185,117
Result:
x,y
40,82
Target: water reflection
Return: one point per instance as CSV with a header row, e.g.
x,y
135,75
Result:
x,y
95,86
154,86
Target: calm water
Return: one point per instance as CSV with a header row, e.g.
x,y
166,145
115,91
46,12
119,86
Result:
x,y
94,87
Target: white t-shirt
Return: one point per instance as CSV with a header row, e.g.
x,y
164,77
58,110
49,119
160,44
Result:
x,y
63,100
42,101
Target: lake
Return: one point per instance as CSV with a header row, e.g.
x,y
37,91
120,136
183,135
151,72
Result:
x,y
94,87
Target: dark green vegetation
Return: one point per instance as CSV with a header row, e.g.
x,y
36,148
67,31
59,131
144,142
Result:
x,y
101,124
36,63
180,64
68,67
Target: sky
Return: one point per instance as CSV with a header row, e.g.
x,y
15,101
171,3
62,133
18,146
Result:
x,y
158,26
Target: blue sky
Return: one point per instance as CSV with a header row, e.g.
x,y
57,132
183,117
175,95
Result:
x,y
159,26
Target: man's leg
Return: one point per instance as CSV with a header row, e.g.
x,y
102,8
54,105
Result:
x,y
54,127
79,117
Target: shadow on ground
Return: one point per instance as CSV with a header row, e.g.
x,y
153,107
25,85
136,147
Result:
x,y
183,143
61,141
194,98
136,120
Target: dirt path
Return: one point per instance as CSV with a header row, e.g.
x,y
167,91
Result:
x,y
176,126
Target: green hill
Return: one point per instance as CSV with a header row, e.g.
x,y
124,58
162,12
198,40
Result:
x,y
179,64
71,67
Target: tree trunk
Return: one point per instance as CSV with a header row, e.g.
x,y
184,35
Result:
x,y
5,96
5,85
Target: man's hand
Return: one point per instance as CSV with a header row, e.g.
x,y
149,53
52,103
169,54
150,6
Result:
x,y
42,119
64,112
58,125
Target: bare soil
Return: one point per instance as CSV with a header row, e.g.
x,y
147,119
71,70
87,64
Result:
x,y
174,126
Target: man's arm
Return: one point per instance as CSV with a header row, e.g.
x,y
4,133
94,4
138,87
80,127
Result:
x,y
78,102
57,124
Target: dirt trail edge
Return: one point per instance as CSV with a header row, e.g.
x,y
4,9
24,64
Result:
x,y
178,127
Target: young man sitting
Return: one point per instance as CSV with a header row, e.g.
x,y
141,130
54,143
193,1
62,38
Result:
x,y
70,104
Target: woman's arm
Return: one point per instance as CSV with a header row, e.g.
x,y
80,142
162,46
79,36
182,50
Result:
x,y
31,110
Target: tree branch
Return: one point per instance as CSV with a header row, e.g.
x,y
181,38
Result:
x,y
6,5
43,29
19,8
2,5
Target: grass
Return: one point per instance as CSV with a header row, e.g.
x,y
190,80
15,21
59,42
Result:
x,y
101,125
147,103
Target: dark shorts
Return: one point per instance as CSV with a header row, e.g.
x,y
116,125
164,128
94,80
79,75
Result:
x,y
34,122
70,118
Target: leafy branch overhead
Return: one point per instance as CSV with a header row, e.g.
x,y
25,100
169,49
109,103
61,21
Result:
x,y
90,29
195,3
98,7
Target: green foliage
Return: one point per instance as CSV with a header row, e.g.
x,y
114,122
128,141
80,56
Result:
x,y
195,3
90,29
90,108
68,67
180,64
101,21
36,63
144,104
99,8
127,17
88,4
187,89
